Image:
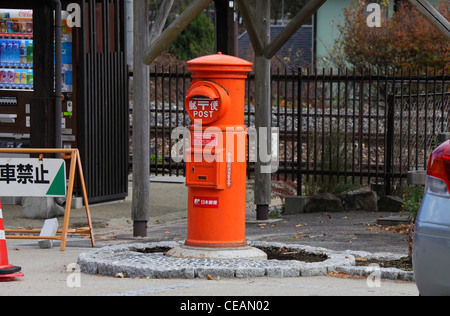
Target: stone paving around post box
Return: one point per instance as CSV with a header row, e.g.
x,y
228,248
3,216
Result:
x,y
138,261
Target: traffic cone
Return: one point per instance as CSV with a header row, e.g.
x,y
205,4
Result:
x,y
7,271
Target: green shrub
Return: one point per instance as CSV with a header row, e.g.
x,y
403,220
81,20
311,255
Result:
x,y
412,202
196,40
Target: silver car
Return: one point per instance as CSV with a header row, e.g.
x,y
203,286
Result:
x,y
431,253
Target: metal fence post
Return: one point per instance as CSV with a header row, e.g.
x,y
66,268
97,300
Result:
x,y
389,145
299,133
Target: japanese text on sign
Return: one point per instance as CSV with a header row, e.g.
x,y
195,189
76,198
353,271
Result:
x,y
32,177
23,174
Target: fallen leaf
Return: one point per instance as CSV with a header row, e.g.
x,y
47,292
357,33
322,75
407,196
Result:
x,y
360,259
343,275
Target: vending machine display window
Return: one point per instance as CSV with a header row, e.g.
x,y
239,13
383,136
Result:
x,y
16,49
16,72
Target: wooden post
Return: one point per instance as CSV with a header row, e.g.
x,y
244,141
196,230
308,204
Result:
x,y
258,29
141,122
263,177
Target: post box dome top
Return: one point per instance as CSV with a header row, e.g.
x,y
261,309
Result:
x,y
219,66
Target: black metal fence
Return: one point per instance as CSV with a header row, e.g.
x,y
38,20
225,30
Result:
x,y
336,128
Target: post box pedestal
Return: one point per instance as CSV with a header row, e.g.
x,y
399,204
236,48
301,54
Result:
x,y
217,253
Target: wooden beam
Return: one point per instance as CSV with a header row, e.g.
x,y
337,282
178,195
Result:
x,y
177,26
251,27
433,16
299,20
160,21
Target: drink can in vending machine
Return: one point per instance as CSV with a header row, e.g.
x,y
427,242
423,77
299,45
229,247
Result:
x,y
10,76
30,80
23,78
23,27
4,76
30,27
16,26
17,77
9,26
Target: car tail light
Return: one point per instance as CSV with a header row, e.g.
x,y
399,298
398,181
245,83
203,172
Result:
x,y
438,173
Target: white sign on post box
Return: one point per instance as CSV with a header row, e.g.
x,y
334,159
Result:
x,y
32,177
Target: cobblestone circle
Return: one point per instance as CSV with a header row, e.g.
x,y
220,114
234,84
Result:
x,y
134,261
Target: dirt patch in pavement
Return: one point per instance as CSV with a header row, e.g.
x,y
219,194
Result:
x,y
272,253
284,253
152,249
404,264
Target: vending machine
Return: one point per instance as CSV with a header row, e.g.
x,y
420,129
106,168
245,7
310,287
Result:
x,y
17,80
94,85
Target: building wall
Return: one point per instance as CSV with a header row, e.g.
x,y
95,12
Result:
x,y
327,19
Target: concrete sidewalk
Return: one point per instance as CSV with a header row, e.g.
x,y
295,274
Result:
x,y
168,203
49,273
46,269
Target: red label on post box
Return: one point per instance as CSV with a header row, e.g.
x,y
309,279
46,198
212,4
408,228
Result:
x,y
203,139
206,202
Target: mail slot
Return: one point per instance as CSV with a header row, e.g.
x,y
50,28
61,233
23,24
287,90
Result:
x,y
203,174
216,160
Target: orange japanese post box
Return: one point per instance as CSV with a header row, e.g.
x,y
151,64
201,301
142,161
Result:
x,y
217,158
